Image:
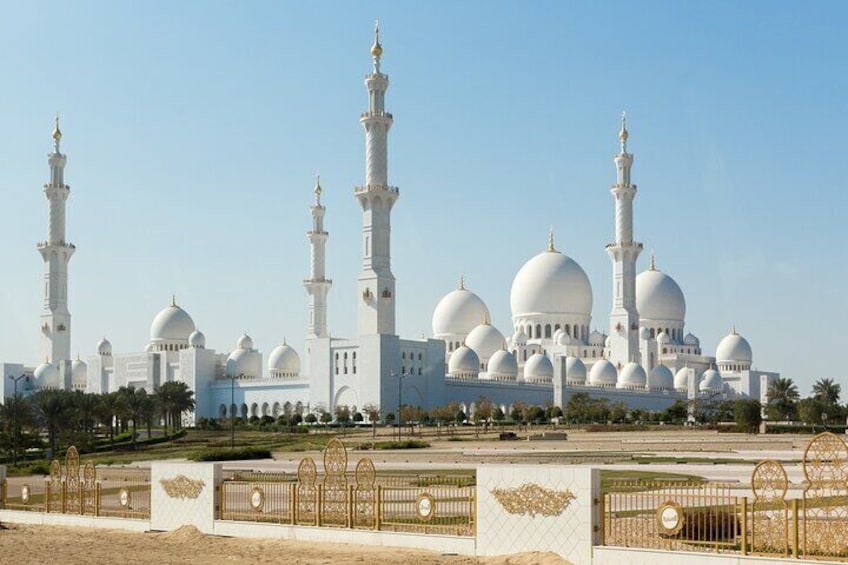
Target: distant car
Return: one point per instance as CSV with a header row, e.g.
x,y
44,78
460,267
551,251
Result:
x,y
507,436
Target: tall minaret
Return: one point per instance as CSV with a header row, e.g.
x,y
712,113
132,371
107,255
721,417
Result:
x,y
56,252
624,318
376,282
317,285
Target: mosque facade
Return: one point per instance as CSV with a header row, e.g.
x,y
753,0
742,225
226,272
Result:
x,y
645,358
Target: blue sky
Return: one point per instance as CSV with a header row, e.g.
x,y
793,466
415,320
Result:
x,y
194,130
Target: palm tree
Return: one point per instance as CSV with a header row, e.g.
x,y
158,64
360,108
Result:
x,y
52,411
110,407
783,397
134,400
827,391
175,399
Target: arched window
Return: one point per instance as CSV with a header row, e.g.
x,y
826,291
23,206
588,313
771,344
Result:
x,y
524,355
419,356
548,330
556,327
403,355
568,329
529,332
450,346
653,333
538,331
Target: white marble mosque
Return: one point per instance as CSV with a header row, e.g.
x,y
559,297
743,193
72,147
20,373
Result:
x,y
645,357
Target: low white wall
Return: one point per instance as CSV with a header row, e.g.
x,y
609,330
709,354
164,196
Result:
x,y
632,556
42,519
527,521
429,542
184,494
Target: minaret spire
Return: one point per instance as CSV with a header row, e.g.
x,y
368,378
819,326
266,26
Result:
x,y
551,247
56,253
317,285
376,281
623,252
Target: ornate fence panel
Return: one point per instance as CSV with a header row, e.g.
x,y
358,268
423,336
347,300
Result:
x,y
825,503
334,495
770,519
71,491
307,503
122,492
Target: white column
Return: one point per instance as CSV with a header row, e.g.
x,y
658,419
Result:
x,y
317,285
56,253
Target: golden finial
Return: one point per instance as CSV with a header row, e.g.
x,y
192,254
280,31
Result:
x,y
462,282
318,190
284,340
174,300
623,135
733,329
653,261
551,247
57,134
486,321
376,49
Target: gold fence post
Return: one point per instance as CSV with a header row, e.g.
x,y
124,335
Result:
x,y
64,493
4,487
318,504
81,500
97,499
378,508
350,506
47,496
744,525
293,499
795,528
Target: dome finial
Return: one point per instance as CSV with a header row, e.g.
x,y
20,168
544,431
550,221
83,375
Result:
x,y
174,300
622,134
551,247
284,340
461,282
733,329
376,48
318,190
57,133
653,261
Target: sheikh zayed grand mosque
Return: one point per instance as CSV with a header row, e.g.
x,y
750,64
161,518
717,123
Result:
x,y
646,358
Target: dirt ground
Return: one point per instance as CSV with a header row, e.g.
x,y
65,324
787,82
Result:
x,y
24,544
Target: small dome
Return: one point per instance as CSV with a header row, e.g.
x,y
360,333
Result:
x,y
519,337
458,313
690,339
197,339
79,373
603,373
244,342
558,333
104,347
538,369
663,339
607,342
485,340
661,378
658,297
503,366
681,378
644,333
551,283
632,376
575,371
596,338
565,339
46,375
171,324
243,362
464,361
734,349
148,348
284,359
711,381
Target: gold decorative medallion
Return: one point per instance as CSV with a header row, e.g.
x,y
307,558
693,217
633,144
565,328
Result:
x,y
25,494
257,499
670,518
426,507
533,499
182,487
125,498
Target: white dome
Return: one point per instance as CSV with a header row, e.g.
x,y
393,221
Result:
x,y
575,371
104,347
46,376
148,348
503,366
79,373
632,376
464,361
565,339
551,283
658,297
607,342
458,313
596,338
603,373
197,339
690,339
244,342
557,335
538,369
171,324
711,381
663,339
485,340
284,359
244,362
681,378
644,333
660,378
734,349
519,337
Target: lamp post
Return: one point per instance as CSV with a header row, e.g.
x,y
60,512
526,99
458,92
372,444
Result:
x,y
15,416
400,377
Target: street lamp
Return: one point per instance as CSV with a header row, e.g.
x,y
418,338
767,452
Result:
x,y
400,377
15,430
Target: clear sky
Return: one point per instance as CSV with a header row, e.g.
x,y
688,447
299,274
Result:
x,y
194,130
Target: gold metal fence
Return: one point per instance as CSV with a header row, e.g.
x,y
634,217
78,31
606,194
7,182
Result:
x,y
362,499
123,492
683,516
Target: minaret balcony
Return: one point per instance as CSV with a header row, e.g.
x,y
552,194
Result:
x,y
376,115
47,244
635,244
369,188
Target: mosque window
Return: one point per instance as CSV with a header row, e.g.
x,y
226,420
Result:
x,y
419,356
345,356
538,330
665,350
524,355
403,370
419,370
568,329
548,330
653,333
403,355
450,346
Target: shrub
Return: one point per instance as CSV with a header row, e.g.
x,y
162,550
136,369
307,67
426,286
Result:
x,y
222,454
404,444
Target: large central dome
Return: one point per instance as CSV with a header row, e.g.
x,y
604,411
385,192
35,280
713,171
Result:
x,y
658,297
171,324
551,283
458,313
